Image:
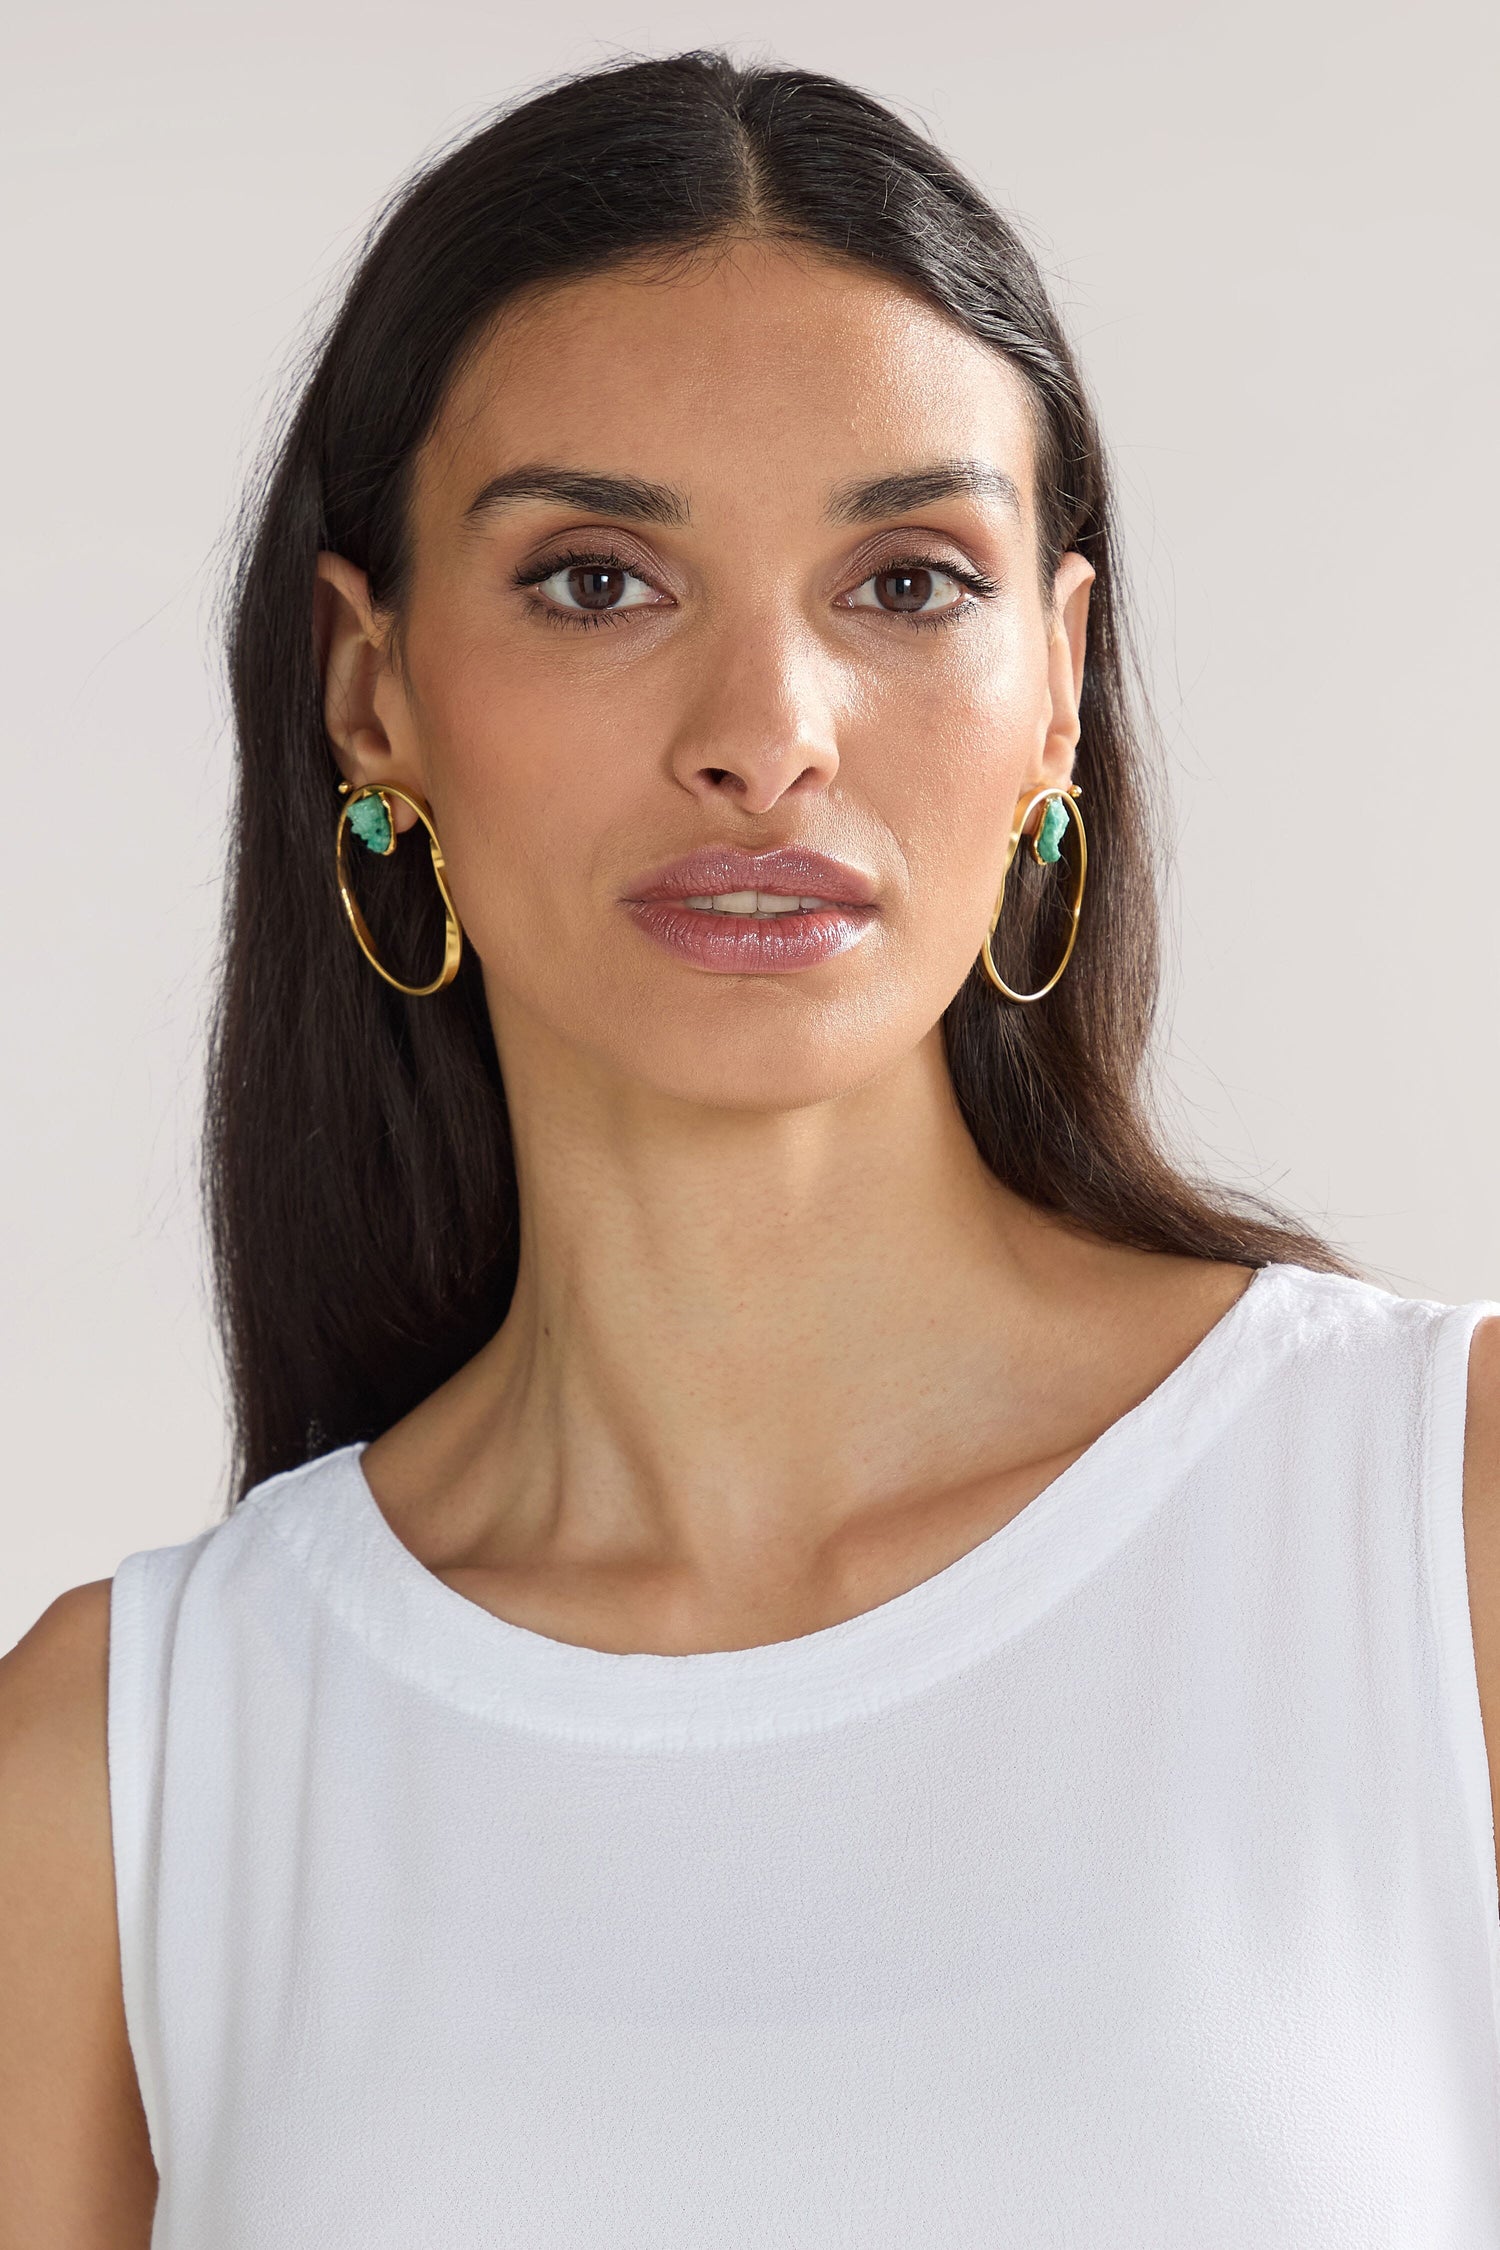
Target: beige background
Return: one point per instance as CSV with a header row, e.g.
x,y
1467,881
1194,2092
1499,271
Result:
x,y
1272,233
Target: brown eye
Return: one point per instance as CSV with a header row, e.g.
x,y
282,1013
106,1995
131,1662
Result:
x,y
903,589
596,589
910,590
588,588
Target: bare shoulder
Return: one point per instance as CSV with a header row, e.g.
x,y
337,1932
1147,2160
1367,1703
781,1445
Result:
x,y
1482,1436
1482,1498
1482,1529
75,2159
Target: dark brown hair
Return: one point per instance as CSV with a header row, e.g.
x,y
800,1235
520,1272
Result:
x,y
362,1200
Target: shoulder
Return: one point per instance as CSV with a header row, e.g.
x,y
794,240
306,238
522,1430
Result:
x,y
54,1682
1482,1516
1481,1512
54,1774
1482,1429
75,2160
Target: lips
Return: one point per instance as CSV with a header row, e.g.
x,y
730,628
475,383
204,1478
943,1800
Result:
x,y
790,871
742,944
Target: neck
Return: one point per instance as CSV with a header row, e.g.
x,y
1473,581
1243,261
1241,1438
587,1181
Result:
x,y
733,1327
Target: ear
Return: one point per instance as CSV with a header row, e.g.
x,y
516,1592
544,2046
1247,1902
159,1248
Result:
x,y
364,706
1067,637
1070,619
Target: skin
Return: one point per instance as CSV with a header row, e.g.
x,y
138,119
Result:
x,y
781,1346
711,1418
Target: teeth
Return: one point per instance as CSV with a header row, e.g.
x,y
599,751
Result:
x,y
753,902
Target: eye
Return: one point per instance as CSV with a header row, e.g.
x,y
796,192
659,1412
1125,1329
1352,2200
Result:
x,y
590,588
920,590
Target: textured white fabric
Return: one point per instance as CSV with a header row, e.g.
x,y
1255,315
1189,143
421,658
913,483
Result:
x,y
1129,1885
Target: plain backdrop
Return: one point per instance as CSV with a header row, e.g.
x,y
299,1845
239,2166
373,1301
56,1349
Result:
x,y
1271,233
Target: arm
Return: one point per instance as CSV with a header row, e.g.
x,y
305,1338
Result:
x,y
1482,1530
75,2162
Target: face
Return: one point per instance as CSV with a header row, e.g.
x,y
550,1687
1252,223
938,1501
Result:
x,y
724,595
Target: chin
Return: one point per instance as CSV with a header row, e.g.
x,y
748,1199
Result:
x,y
802,1058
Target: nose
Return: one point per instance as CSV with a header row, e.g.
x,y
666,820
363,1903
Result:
x,y
761,725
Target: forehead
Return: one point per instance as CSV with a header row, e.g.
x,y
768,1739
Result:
x,y
753,371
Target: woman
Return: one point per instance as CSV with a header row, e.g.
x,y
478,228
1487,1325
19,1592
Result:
x,y
816,1646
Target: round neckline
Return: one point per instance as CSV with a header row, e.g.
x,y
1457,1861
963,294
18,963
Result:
x,y
424,1629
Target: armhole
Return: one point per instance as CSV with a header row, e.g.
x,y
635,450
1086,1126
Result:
x,y
1443,1514
142,1606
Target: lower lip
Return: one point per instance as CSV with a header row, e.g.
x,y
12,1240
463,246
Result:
x,y
751,944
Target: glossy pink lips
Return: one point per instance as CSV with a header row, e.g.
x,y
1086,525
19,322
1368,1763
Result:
x,y
751,944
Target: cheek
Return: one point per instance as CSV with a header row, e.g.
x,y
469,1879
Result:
x,y
946,772
529,794
551,782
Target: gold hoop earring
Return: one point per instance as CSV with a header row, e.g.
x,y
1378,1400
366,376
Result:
x,y
1067,798
375,826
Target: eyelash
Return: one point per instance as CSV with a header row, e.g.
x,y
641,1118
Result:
x,y
980,588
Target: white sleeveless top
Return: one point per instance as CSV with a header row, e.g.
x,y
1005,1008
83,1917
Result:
x,y
1129,1885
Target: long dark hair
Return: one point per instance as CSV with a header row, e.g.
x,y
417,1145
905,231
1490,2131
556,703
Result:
x,y
361,1195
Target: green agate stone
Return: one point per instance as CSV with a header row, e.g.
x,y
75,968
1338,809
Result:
x,y
372,824
1052,831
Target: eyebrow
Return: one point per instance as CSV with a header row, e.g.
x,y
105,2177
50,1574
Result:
x,y
581,488
634,497
914,488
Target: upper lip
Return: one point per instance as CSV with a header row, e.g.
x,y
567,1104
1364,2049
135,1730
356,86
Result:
x,y
789,871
